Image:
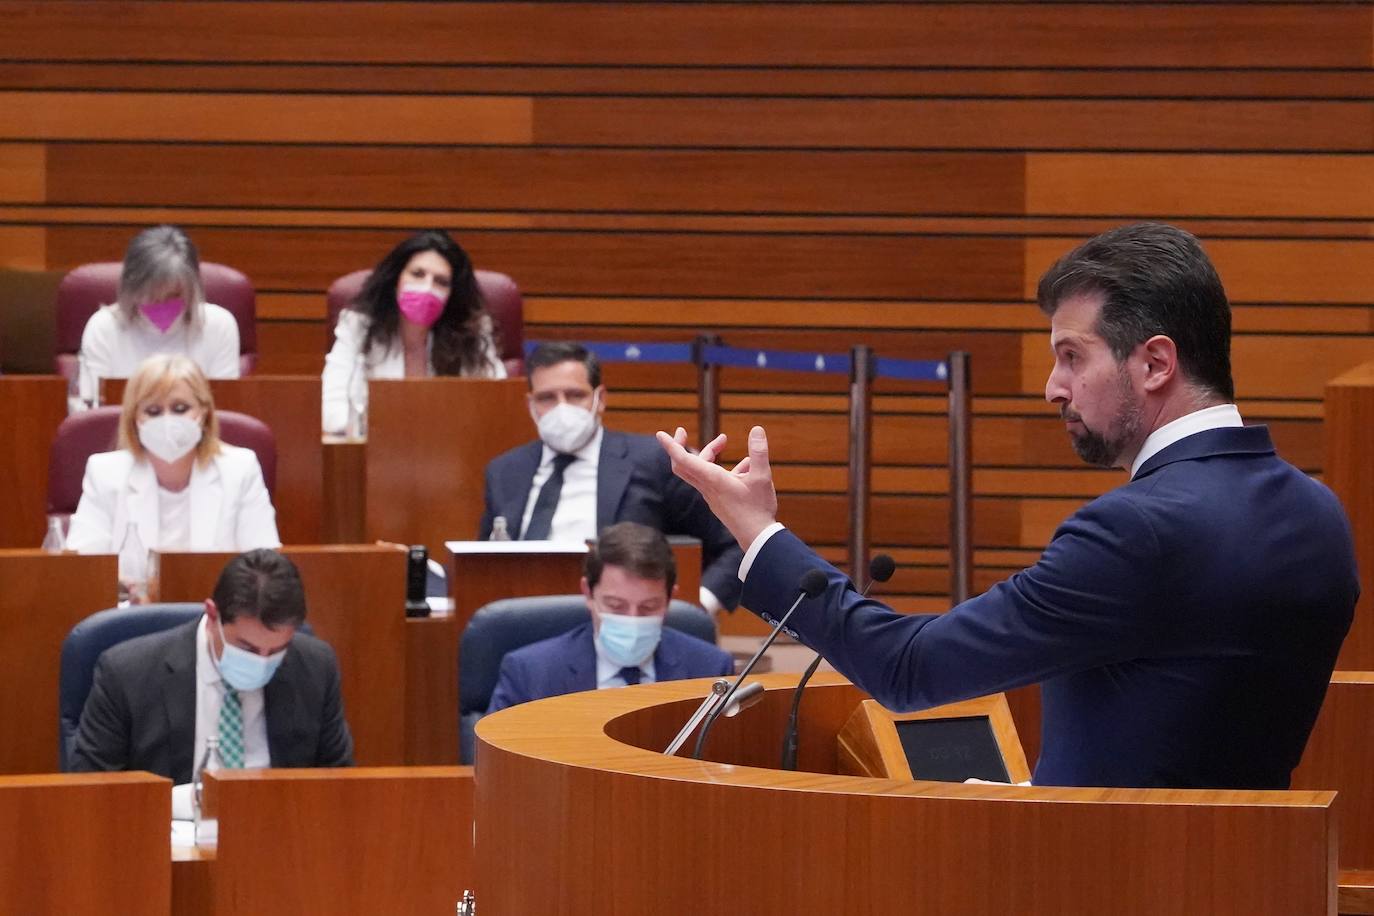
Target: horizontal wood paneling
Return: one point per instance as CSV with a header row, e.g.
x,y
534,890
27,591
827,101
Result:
x,y
279,117
899,34
1037,124
639,263
872,82
535,179
794,175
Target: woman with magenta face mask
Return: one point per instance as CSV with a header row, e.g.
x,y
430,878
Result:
x,y
419,314
172,480
160,308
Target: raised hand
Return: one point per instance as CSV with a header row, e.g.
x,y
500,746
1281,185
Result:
x,y
743,499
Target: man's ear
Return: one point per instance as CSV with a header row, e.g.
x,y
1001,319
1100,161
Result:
x,y
211,611
1160,356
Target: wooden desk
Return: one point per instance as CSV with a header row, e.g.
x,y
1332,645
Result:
x,y
290,405
1347,467
356,599
567,794
31,409
481,572
429,441
87,844
1340,756
42,596
303,842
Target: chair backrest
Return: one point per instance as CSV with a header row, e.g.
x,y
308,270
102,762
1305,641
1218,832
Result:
x,y
92,636
84,434
500,296
86,288
502,626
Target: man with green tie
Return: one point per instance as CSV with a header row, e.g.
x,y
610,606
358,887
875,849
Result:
x,y
242,673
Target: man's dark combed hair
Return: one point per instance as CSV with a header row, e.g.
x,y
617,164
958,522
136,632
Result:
x,y
262,584
1154,279
551,353
638,549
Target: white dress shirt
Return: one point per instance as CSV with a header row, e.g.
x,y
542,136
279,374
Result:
x,y
574,519
113,346
209,698
608,672
1198,421
174,519
1218,417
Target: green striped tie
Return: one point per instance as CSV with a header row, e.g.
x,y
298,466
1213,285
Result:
x,y
231,731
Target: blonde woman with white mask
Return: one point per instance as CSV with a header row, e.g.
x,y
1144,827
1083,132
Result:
x,y
172,479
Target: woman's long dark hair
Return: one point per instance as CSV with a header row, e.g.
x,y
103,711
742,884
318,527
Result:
x,y
458,339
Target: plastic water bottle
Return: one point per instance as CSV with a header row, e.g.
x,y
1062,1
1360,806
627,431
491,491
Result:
x,y
55,541
499,531
133,568
207,828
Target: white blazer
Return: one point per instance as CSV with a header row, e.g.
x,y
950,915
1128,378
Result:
x,y
388,363
229,505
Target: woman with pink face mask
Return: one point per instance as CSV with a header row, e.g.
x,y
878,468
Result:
x,y
419,314
160,308
172,480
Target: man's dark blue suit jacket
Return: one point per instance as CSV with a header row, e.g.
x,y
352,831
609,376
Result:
x,y
567,664
1183,626
634,483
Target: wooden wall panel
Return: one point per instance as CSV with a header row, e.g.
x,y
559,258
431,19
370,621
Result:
x,y
793,175
783,34
533,179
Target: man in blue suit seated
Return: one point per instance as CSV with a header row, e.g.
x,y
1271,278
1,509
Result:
x,y
629,578
1183,627
579,477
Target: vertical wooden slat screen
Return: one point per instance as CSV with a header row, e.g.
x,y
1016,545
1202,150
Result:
x,y
794,175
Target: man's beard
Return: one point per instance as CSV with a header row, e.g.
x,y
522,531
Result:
x,y
1094,447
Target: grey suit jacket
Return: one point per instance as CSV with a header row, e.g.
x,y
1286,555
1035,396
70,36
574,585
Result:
x,y
141,712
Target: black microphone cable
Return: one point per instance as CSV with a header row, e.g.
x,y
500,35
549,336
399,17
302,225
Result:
x,y
812,583
880,569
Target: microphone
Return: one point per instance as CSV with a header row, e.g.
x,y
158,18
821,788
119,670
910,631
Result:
x,y
812,583
880,569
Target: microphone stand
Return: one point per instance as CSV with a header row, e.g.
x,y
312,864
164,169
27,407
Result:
x,y
812,584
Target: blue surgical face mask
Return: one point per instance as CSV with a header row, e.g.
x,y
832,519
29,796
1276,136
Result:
x,y
628,641
243,670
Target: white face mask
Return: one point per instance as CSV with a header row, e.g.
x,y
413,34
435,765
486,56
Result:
x,y
566,428
170,436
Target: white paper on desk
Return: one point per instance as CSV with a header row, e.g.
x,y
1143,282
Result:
x,y
975,781
183,808
183,833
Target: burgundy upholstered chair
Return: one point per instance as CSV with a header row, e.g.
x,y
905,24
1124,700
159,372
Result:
x,y
499,293
84,434
86,288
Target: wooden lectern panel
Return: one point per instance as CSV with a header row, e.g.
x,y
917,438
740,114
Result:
x,y
295,842
42,596
31,409
1348,468
87,844
869,744
290,405
555,784
356,599
428,444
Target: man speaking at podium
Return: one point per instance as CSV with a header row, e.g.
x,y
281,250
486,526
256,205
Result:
x,y
1183,626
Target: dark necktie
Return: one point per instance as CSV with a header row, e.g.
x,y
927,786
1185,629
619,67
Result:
x,y
631,676
541,519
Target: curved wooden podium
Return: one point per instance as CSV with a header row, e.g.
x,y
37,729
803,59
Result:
x,y
578,813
